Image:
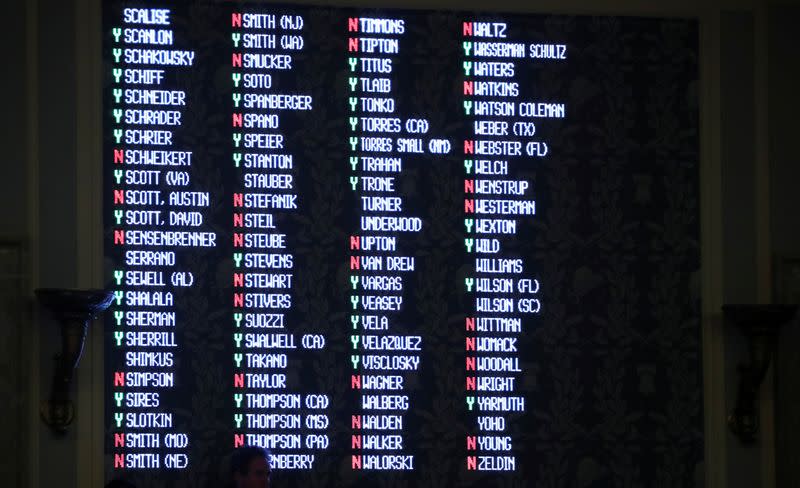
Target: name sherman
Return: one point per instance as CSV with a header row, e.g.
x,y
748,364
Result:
x,y
149,319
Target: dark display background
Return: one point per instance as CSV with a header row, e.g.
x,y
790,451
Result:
x,y
611,365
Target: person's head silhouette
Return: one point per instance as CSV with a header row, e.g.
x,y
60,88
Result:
x,y
250,467
118,483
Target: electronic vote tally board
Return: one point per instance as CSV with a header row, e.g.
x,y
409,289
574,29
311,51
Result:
x,y
348,235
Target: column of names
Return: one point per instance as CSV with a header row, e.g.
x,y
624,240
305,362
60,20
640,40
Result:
x,y
499,144
154,222
380,356
269,412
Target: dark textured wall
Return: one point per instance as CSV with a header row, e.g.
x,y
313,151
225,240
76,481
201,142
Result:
x,y
784,108
13,240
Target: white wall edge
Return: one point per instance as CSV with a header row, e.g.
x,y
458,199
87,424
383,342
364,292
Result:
x,y
89,205
711,253
33,422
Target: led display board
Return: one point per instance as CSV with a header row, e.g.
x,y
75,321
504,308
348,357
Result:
x,y
399,248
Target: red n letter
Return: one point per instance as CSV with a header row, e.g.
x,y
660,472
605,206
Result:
x,y
236,20
469,206
352,26
467,30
